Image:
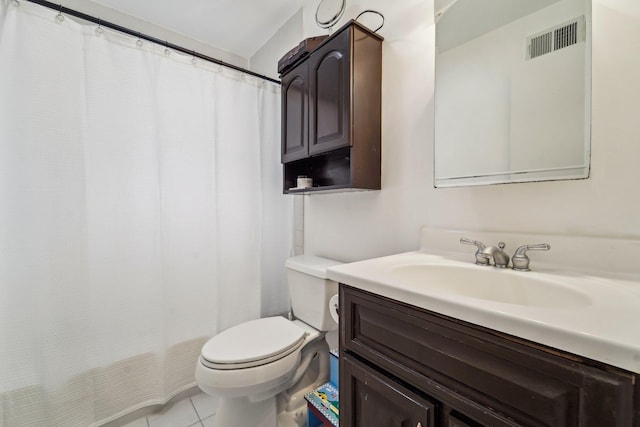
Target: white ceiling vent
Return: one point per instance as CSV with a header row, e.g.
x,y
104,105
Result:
x,y
556,38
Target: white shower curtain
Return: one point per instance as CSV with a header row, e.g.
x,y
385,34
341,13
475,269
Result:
x,y
140,213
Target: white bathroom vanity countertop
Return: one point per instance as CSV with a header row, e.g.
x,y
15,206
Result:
x,y
604,326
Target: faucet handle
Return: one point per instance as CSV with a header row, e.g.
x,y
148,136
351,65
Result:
x,y
466,241
481,259
520,259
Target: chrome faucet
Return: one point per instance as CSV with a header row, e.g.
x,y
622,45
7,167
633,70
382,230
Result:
x,y
520,258
481,259
489,255
496,256
500,257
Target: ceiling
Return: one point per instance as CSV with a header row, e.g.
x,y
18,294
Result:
x,y
237,26
464,20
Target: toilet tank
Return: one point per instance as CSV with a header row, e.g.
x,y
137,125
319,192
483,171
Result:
x,y
310,290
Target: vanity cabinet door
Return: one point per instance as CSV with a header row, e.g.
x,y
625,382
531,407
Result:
x,y
376,400
295,131
329,94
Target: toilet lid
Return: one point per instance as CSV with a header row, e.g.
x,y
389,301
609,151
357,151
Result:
x,y
253,343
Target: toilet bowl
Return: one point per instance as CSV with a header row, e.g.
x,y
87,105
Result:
x,y
260,370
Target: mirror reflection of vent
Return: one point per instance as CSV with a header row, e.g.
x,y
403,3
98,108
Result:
x,y
556,38
541,45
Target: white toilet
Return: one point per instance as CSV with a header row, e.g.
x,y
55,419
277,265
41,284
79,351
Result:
x,y
261,369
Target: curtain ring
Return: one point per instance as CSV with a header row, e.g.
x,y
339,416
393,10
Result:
x,y
167,52
99,29
372,11
60,16
16,3
139,41
194,61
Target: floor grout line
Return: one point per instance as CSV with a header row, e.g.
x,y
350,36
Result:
x,y
195,409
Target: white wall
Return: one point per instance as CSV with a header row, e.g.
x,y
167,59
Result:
x,y
351,226
265,61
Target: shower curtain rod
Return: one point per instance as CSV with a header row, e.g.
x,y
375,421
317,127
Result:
x,y
106,24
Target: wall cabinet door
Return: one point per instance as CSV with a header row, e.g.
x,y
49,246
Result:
x,y
375,400
295,131
329,95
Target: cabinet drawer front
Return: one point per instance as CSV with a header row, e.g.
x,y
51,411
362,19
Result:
x,y
525,384
376,400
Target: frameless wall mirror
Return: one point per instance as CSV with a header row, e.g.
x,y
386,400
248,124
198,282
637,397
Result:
x,y
512,91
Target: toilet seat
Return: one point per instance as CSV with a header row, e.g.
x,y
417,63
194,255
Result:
x,y
253,343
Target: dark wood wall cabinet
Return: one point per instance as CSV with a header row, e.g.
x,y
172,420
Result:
x,y
401,365
331,114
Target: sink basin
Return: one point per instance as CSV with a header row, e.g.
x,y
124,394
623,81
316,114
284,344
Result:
x,y
491,284
573,310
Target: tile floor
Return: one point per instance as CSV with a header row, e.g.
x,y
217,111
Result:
x,y
197,411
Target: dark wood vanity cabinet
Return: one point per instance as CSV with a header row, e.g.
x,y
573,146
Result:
x,y
404,366
331,113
